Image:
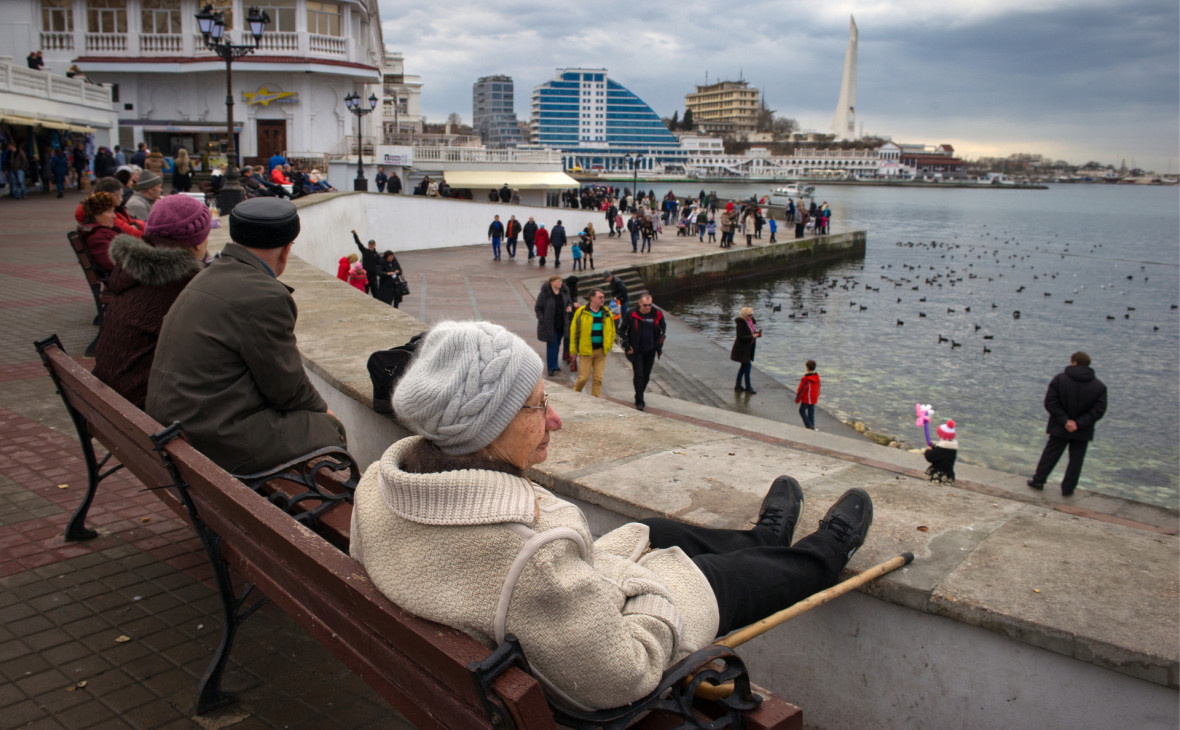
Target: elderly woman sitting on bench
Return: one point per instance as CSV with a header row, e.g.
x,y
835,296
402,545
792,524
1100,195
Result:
x,y
449,527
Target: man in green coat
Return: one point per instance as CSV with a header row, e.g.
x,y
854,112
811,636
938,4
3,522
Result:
x,y
227,365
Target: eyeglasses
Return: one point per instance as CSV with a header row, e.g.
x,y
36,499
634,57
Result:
x,y
543,407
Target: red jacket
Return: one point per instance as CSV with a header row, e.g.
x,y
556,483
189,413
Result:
x,y
808,391
342,269
123,221
542,242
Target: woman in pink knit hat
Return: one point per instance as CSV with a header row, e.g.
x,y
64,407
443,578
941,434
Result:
x,y
148,276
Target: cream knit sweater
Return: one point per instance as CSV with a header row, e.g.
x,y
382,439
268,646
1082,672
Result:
x,y
491,554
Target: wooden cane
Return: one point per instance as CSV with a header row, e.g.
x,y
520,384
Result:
x,y
741,636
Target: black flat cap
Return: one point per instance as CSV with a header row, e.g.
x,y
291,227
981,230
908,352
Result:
x,y
264,223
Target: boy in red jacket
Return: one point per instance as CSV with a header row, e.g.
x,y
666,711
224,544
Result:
x,y
807,395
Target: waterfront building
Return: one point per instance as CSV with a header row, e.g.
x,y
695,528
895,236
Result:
x,y
936,161
844,123
169,90
401,98
598,122
729,108
494,112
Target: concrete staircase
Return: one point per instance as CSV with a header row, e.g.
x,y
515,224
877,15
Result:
x,y
592,279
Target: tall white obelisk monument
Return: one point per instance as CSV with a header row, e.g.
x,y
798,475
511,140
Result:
x,y
844,123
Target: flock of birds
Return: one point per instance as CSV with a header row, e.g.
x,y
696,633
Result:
x,y
956,271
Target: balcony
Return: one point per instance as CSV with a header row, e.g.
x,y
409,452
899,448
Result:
x,y
296,45
106,43
169,44
479,154
50,87
57,41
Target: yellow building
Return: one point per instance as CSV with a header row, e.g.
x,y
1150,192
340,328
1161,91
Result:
x,y
726,107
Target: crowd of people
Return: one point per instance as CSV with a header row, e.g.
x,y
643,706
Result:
x,y
211,344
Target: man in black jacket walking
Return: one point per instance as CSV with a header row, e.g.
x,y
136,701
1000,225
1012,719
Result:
x,y
557,241
1076,400
370,260
643,341
530,235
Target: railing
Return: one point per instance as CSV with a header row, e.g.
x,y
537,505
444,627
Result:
x,y
412,138
45,85
327,44
161,43
57,41
106,42
466,154
346,147
282,42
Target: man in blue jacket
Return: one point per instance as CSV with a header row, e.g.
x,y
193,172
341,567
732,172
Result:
x,y
1076,400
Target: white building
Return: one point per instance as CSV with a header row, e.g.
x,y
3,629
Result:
x,y
170,91
44,108
401,96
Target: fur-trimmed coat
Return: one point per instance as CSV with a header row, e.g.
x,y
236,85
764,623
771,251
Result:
x,y
475,545
145,282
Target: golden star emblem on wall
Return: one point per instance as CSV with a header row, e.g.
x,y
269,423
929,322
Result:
x,y
264,96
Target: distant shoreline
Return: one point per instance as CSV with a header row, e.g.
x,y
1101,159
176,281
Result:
x,y
593,179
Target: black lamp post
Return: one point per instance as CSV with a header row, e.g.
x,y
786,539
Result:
x,y
633,159
212,25
353,102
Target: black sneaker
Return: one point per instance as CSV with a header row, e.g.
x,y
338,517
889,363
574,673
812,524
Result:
x,y
1035,484
848,520
781,508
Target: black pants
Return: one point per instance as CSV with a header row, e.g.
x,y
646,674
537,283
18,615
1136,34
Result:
x,y
752,576
799,229
641,366
1052,453
372,284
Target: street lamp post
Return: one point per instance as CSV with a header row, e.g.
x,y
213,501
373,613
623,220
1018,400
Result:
x,y
212,25
633,159
353,102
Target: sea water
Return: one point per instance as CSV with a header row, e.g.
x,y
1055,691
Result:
x,y
1086,267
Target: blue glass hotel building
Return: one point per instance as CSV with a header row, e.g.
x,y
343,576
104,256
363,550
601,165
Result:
x,y
597,121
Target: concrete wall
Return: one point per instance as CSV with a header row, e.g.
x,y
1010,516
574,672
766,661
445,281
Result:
x,y
412,222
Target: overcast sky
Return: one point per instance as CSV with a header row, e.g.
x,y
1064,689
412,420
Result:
x,y
1070,79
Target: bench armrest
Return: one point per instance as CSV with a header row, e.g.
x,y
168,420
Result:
x,y
675,695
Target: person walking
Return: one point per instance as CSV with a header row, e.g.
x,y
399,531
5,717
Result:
x,y
800,219
14,168
618,290
530,236
1075,400
557,239
59,165
773,228
389,277
512,232
588,246
746,334
592,335
370,261
647,231
553,308
542,243
633,229
182,172
495,233
642,335
81,164
807,395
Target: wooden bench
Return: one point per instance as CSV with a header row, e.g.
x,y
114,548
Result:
x,y
286,532
96,279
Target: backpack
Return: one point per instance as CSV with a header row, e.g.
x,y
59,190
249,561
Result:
x,y
386,367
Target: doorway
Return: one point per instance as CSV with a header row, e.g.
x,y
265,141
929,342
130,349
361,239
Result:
x,y
272,137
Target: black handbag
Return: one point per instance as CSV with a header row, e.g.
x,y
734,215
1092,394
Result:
x,y
403,287
386,367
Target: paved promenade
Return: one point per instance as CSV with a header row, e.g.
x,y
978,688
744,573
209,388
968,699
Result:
x,y
65,608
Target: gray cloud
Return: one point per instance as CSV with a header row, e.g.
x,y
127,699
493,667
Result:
x,y
1080,79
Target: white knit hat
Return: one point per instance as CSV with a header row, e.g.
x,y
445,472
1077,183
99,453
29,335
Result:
x,y
466,384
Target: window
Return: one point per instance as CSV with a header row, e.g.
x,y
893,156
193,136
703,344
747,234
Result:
x,y
106,16
161,17
282,15
323,18
57,16
225,7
